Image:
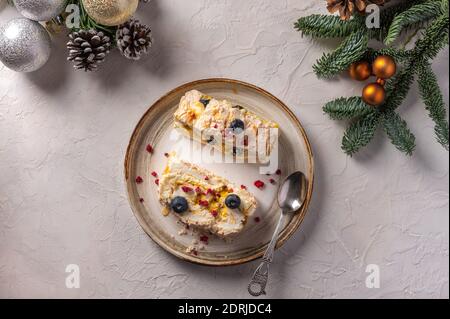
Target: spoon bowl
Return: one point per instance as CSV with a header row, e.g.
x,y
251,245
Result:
x,y
292,192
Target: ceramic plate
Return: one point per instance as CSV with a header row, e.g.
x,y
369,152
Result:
x,y
156,129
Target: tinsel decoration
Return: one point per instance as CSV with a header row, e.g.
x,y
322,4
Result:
x,y
88,48
133,39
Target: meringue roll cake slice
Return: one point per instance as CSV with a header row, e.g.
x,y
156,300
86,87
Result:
x,y
204,200
203,118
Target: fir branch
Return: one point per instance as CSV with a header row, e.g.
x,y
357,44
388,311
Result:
x,y
350,50
431,94
435,38
417,14
398,132
397,88
387,16
347,108
360,133
399,55
328,26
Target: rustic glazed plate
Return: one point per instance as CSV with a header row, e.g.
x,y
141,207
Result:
x,y
156,129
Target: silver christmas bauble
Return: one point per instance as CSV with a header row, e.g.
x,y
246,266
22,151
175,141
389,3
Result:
x,y
40,10
25,45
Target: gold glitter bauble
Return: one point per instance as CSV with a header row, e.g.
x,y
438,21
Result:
x,y
110,12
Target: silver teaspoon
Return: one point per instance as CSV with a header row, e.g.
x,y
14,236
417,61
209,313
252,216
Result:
x,y
291,196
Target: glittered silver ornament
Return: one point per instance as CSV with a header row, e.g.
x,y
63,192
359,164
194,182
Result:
x,y
25,45
40,10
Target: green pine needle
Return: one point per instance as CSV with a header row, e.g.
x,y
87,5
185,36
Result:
x,y
419,13
434,102
347,108
351,49
328,26
360,133
398,132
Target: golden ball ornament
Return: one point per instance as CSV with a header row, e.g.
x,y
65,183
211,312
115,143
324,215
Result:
x,y
384,67
374,94
360,71
110,12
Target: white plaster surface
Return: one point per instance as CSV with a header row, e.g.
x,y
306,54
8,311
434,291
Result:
x,y
63,136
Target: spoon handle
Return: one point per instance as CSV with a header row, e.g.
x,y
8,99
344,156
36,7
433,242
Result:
x,y
258,282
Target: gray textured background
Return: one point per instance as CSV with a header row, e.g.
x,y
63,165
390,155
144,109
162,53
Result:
x,y
63,135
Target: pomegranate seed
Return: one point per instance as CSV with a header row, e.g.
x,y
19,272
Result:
x,y
141,200
214,213
186,189
154,174
259,184
243,187
198,190
278,172
204,239
157,181
149,148
215,126
139,180
209,191
166,154
206,178
257,219
272,181
203,203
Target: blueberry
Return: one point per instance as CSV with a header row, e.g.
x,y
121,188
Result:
x,y
210,139
205,102
233,201
179,204
237,125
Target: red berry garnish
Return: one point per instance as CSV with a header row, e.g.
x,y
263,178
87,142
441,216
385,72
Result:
x,y
157,181
141,200
215,126
139,180
272,181
204,239
209,191
257,219
259,184
198,190
186,189
149,148
214,213
206,178
243,187
278,172
203,203
154,174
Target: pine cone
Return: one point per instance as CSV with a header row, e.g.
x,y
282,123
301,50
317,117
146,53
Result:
x,y
133,39
348,7
88,48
